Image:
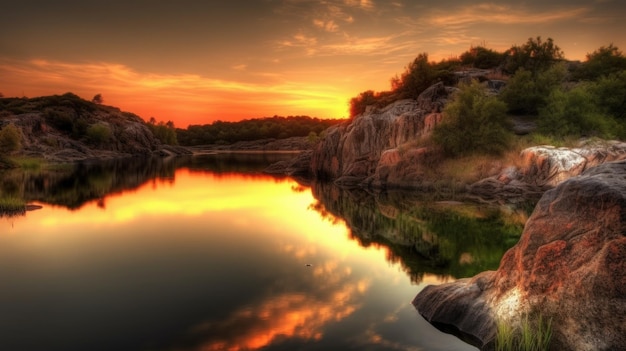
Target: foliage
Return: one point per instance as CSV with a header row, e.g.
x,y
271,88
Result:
x,y
11,205
526,93
534,56
604,61
575,112
165,132
529,336
99,133
359,103
10,139
481,57
473,123
97,99
609,93
220,132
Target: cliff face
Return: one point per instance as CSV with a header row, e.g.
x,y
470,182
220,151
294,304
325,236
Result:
x,y
569,265
67,128
350,153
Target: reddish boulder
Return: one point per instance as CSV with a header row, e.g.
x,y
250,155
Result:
x,y
569,265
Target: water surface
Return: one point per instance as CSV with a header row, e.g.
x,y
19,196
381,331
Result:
x,y
209,254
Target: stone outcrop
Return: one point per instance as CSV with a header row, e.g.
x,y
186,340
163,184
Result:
x,y
350,152
544,167
569,265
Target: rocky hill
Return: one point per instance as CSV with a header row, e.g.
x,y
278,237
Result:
x,y
65,128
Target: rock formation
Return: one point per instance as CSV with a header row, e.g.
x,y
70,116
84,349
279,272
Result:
x,y
66,128
569,265
350,152
544,167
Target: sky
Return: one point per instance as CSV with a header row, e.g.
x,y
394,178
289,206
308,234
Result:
x,y
197,61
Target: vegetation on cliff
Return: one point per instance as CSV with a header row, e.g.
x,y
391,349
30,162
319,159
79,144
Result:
x,y
567,100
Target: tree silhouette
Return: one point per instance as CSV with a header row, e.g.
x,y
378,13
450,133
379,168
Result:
x,y
97,99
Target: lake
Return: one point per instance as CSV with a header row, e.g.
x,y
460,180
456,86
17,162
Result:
x,y
208,253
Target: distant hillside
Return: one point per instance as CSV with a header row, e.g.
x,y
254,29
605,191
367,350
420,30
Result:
x,y
68,128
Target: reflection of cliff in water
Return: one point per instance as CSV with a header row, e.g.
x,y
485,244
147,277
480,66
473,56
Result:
x,y
440,238
73,185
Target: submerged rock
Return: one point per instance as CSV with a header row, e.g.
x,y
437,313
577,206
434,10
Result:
x,y
569,265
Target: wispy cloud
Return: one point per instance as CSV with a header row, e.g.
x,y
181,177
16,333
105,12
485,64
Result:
x,y
501,14
189,97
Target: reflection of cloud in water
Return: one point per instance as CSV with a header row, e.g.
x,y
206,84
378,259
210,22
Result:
x,y
335,295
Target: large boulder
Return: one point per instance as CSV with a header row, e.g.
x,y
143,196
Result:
x,y
569,266
350,152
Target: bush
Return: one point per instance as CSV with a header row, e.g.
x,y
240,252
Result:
x,y
359,103
576,113
99,133
526,93
473,123
535,56
609,93
605,61
10,139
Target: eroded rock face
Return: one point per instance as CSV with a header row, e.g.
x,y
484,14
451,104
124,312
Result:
x,y
350,152
544,167
569,265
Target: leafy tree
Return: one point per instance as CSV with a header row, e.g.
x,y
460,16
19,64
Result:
x,y
534,56
10,139
481,57
604,61
165,132
526,93
473,122
97,99
359,103
575,113
417,77
609,93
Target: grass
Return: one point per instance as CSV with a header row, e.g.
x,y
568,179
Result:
x,y
11,205
29,163
531,335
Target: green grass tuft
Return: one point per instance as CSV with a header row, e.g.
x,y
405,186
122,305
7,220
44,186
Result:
x,y
530,335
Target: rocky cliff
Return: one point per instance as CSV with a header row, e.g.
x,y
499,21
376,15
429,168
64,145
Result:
x,y
569,266
350,153
67,128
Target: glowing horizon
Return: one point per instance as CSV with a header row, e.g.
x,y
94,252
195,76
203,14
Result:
x,y
204,61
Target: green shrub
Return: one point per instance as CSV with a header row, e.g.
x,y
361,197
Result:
x,y
99,133
576,113
10,139
604,61
609,93
526,93
535,56
473,123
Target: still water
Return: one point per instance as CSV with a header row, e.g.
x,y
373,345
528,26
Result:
x,y
209,254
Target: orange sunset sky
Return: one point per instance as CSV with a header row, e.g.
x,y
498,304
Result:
x,y
194,62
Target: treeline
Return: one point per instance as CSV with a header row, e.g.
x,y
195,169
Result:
x,y
221,132
566,99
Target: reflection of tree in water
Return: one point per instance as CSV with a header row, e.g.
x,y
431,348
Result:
x,y
73,185
454,239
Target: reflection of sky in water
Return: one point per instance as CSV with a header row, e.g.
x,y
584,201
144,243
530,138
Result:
x,y
204,263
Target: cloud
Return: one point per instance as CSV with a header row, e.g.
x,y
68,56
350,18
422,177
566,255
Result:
x,y
502,14
167,96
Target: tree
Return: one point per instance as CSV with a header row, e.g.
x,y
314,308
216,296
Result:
x,y
534,56
604,61
97,99
575,112
10,139
526,93
473,122
417,77
359,104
